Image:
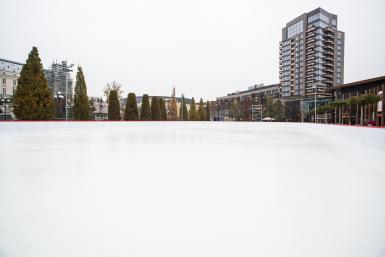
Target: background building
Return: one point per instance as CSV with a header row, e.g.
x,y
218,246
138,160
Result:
x,y
57,76
234,105
9,74
311,55
368,111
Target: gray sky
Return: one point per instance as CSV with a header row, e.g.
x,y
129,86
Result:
x,y
204,48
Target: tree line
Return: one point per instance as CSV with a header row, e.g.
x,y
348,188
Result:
x,y
33,100
157,109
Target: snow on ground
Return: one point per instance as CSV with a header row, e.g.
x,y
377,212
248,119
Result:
x,y
191,189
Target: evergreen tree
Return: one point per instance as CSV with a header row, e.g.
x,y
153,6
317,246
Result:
x,y
113,106
81,109
145,112
173,109
193,116
155,108
201,111
208,111
33,99
131,110
183,112
163,111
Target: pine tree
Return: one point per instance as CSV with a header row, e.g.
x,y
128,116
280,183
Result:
x,y
155,108
173,109
201,111
192,115
183,112
208,111
163,111
81,109
145,112
33,99
131,110
113,106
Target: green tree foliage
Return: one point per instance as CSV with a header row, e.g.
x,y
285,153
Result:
x,y
193,115
269,107
207,111
131,110
201,111
183,111
278,110
163,111
145,112
235,109
33,99
81,109
113,106
155,108
173,109
246,109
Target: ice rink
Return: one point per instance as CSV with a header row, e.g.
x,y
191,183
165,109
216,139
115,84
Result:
x,y
191,189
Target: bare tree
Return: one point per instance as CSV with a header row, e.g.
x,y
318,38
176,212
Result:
x,y
113,86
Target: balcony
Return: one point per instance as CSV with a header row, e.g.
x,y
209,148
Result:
x,y
312,28
327,58
328,70
328,76
328,47
311,34
328,41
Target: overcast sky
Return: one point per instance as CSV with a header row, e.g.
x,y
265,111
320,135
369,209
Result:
x,y
204,48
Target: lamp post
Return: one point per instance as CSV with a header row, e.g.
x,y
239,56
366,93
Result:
x,y
181,108
67,69
5,100
315,99
58,97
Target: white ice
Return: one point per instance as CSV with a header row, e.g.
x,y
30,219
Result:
x,y
191,189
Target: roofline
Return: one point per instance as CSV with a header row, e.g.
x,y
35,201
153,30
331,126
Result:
x,y
6,60
356,83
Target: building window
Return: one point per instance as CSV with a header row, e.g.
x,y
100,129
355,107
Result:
x,y
317,17
4,81
4,91
295,29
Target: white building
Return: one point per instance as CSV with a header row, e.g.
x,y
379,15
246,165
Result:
x,y
9,74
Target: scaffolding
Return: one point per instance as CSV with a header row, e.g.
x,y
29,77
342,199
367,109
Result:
x,y
256,112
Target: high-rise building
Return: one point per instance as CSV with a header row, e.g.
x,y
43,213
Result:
x,y
9,74
311,56
57,77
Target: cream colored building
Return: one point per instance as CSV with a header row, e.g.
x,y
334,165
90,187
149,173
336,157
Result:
x,y
9,73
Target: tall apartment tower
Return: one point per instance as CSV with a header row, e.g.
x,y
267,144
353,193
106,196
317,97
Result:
x,y
311,55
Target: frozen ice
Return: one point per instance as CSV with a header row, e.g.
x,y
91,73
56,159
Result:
x,y
191,189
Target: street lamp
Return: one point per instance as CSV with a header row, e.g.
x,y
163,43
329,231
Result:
x,y
315,99
67,69
58,97
5,100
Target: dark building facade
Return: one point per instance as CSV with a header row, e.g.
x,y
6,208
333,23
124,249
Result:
x,y
370,112
311,56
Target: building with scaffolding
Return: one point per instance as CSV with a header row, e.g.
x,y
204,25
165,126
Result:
x,y
58,78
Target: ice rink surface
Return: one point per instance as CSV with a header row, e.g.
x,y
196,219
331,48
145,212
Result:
x,y
191,189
